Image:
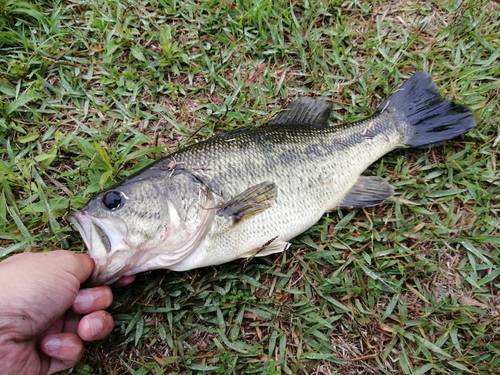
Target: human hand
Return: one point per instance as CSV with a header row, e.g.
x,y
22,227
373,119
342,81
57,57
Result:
x,y
44,315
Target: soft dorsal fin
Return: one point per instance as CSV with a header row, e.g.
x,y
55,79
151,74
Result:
x,y
304,111
250,202
367,191
231,132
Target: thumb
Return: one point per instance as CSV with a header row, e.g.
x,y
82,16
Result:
x,y
79,265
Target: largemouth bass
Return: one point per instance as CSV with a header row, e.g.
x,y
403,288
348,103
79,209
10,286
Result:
x,y
247,192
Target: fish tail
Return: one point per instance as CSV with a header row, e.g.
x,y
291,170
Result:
x,y
431,117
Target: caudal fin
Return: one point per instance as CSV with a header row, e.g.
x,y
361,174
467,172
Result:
x,y
432,117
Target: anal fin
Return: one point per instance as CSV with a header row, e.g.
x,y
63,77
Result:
x,y
250,202
272,246
367,191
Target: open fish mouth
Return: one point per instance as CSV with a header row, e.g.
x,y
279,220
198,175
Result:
x,y
103,236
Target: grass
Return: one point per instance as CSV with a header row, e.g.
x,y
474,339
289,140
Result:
x,y
93,90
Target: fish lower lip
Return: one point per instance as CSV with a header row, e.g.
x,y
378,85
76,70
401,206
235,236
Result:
x,y
97,279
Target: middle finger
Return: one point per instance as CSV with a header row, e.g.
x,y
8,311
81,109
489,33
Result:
x,y
92,299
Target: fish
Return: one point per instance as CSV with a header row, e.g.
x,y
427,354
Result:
x,y
248,192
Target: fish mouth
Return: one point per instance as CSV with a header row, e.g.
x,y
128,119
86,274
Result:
x,y
104,238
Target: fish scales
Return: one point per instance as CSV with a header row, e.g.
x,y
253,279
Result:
x,y
233,162
248,192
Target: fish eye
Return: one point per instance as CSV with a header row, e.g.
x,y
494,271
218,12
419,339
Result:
x,y
112,200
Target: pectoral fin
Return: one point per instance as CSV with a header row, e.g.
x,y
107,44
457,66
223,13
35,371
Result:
x,y
304,111
250,202
366,192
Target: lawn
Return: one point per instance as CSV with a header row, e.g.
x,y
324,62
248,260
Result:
x,y
94,90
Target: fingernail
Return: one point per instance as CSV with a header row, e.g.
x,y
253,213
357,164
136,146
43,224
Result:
x,y
95,327
52,345
84,300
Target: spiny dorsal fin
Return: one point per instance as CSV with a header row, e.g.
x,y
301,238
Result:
x,y
366,192
250,202
304,111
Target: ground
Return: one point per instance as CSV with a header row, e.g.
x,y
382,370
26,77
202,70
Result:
x,y
94,90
